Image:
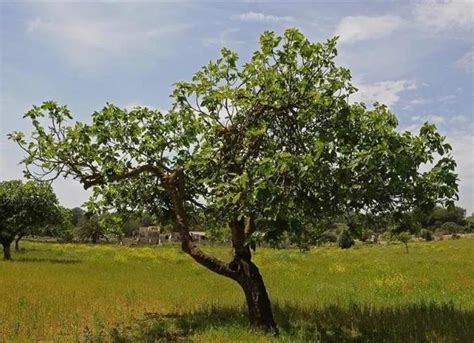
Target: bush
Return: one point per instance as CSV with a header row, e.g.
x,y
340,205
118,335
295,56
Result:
x,y
455,236
328,237
345,240
440,232
427,235
387,236
451,227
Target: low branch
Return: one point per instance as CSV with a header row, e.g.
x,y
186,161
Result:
x,y
173,183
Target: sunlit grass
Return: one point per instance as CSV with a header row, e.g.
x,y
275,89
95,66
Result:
x,y
65,292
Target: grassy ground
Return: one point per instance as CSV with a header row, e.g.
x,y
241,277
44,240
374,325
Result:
x,y
64,292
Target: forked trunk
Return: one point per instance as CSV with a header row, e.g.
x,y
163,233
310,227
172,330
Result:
x,y
241,268
6,252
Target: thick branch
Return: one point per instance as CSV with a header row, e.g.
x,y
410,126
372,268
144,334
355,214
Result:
x,y
173,183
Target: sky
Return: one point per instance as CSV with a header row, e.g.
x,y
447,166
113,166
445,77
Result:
x,y
416,57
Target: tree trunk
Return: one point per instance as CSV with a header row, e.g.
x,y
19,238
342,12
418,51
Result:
x,y
6,252
241,268
258,303
249,278
17,242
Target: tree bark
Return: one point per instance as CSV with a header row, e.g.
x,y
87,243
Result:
x,y
260,312
258,303
6,252
17,242
241,269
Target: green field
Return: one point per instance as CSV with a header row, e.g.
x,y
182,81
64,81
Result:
x,y
66,292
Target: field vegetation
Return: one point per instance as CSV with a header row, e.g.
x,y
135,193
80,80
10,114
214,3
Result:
x,y
94,293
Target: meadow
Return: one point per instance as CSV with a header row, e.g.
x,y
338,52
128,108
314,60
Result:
x,y
95,293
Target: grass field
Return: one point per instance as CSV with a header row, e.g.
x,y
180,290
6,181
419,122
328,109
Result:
x,y
65,292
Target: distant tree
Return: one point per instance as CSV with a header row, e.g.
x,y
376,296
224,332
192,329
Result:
x,y
91,229
441,215
77,214
451,227
470,223
265,148
25,208
404,237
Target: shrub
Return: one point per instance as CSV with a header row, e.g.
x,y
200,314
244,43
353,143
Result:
x,y
440,232
455,236
345,240
329,237
387,236
451,227
427,235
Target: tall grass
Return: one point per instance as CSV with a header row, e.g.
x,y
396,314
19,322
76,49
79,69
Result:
x,y
65,292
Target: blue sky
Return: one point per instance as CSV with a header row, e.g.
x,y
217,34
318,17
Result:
x,y
416,57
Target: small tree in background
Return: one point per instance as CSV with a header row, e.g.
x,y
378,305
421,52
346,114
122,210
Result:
x,y
267,149
24,209
91,228
470,223
404,237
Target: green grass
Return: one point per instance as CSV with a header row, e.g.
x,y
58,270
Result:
x,y
65,292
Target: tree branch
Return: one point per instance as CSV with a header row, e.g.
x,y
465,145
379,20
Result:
x,y
174,184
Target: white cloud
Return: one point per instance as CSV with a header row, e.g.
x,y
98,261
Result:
x,y
434,118
438,16
261,17
223,39
459,119
88,37
466,62
353,29
385,92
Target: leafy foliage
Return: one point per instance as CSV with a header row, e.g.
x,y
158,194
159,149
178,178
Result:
x,y
274,140
25,208
426,234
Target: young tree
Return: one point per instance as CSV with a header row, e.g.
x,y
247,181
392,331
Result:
x,y
265,148
404,237
24,208
91,228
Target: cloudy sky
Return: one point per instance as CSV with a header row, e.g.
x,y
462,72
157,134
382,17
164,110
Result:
x,y
416,57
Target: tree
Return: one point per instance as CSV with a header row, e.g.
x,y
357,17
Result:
x,y
470,223
24,208
266,149
441,215
77,214
91,228
404,237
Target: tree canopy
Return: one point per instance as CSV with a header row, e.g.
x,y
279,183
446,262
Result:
x,y
24,208
267,148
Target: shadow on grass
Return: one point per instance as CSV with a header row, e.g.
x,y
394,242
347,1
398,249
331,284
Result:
x,y
410,323
48,260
